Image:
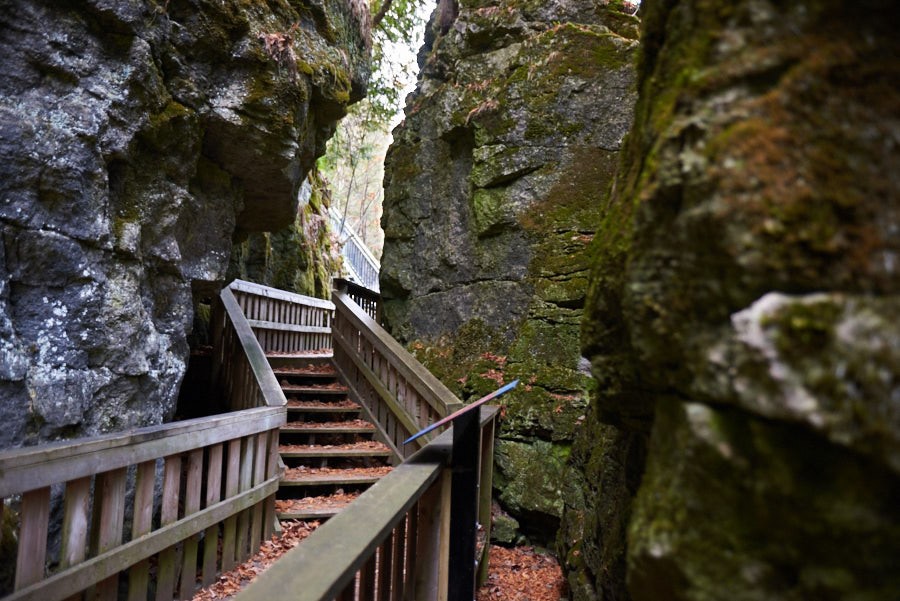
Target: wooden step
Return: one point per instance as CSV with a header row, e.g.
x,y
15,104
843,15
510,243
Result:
x,y
313,375
309,371
309,513
355,426
364,449
293,356
323,409
313,508
326,477
321,390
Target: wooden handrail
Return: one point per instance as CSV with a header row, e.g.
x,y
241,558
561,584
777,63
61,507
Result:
x,y
267,384
35,467
398,528
278,294
209,478
233,458
283,322
438,396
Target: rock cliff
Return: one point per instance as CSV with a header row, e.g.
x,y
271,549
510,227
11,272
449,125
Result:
x,y
744,301
302,257
138,140
493,187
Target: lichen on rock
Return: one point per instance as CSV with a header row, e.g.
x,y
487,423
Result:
x,y
742,306
493,185
136,139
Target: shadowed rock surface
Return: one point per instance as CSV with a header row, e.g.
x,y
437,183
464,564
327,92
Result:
x,y
138,139
744,301
493,188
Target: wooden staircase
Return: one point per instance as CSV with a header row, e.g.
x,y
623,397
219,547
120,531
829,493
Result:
x,y
328,449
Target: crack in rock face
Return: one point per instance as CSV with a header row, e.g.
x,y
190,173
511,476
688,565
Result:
x,y
136,141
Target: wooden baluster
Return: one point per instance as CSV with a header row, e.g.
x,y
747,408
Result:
x,y
246,480
367,580
35,516
349,592
485,489
165,575
433,527
142,522
75,522
409,563
261,454
192,498
232,487
385,570
398,553
272,468
111,495
213,494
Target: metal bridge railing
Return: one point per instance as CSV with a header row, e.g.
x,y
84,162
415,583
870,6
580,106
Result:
x,y
362,267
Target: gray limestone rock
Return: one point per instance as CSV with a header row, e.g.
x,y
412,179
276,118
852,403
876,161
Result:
x,y
136,140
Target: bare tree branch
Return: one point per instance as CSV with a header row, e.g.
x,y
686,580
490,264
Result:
x,y
382,11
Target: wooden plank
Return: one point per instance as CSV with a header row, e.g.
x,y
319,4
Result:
x,y
385,570
142,522
273,469
171,492
433,390
34,516
367,579
232,488
410,567
192,498
398,556
264,293
260,456
327,561
265,379
242,548
37,467
213,494
110,494
75,522
60,585
433,528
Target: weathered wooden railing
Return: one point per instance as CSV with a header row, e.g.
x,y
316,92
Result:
x,y
410,537
145,513
240,370
195,483
400,395
285,322
368,300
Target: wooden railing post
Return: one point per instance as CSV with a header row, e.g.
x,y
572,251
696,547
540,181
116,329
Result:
x,y
464,505
485,494
432,557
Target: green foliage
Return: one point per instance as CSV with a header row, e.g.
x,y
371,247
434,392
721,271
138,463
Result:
x,y
402,26
353,161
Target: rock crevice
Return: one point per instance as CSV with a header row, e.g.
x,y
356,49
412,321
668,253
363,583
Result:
x,y
137,139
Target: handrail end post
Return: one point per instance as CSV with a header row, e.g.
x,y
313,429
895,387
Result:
x,y
464,505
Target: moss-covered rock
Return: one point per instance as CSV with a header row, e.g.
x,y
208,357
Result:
x,y
493,188
138,140
743,301
301,257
